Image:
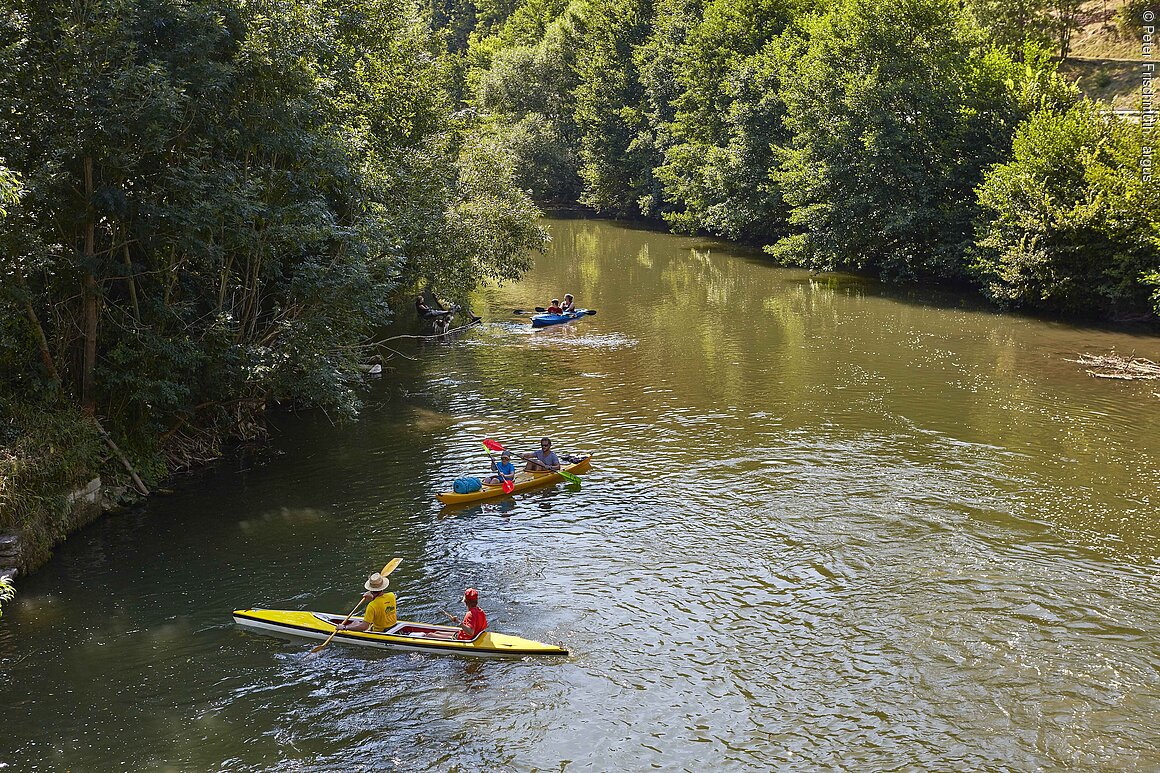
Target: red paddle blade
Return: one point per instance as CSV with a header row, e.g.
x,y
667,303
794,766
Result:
x,y
491,445
508,487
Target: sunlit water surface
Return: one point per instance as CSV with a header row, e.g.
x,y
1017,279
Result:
x,y
829,526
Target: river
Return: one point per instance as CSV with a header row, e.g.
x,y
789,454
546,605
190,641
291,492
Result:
x,y
829,526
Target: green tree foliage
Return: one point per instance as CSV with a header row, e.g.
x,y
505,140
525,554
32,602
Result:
x,y
1014,22
1152,279
221,196
1070,223
896,108
714,83
9,190
1130,17
616,152
527,90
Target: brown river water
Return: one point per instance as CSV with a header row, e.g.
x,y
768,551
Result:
x,y
829,526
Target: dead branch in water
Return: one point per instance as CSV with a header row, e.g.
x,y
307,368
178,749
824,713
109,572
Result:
x,y
1115,366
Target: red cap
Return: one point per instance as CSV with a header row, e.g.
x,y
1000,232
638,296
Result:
x,y
471,594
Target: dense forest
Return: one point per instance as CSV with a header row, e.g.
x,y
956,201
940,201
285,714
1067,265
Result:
x,y
923,139
207,205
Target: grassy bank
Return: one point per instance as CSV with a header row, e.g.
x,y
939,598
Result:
x,y
47,451
1105,56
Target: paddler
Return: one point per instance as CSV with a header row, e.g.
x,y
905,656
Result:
x,y
543,460
380,613
474,621
504,469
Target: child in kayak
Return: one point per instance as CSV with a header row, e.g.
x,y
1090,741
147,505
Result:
x,y
380,612
569,305
554,307
475,621
504,469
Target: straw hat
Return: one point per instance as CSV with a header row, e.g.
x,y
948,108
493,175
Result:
x,y
376,583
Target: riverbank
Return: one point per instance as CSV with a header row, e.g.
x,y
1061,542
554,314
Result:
x,y
52,480
59,472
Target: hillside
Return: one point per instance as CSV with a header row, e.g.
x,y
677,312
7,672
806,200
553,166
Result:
x,y
1104,60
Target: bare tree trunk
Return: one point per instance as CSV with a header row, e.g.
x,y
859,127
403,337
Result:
x,y
1068,15
37,329
41,342
90,300
140,484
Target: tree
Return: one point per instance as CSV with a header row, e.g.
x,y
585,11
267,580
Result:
x,y
527,92
1130,17
616,153
1070,225
726,119
220,198
895,109
1065,20
1014,22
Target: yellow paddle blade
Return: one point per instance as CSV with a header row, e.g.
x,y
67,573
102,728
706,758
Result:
x,y
391,566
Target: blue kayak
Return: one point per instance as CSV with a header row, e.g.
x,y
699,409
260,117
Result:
x,y
543,320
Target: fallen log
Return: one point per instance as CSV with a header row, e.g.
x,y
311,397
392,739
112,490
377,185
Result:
x,y
1116,367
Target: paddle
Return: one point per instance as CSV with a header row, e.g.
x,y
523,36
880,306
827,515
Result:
x,y
390,567
576,311
541,310
491,445
506,484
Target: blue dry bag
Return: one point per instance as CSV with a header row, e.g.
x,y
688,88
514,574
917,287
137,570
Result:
x,y
467,485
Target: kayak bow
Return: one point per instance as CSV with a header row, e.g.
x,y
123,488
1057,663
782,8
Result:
x,y
543,320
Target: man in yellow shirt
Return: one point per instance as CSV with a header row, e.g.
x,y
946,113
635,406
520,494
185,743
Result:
x,y
380,612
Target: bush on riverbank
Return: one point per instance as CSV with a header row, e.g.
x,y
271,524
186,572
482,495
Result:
x,y
47,450
1067,221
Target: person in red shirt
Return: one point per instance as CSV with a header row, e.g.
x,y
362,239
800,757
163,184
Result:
x,y
554,307
475,621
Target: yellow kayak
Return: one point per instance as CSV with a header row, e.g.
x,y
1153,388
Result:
x,y
523,482
404,635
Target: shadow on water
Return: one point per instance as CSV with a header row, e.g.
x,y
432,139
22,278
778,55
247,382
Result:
x,y
501,506
541,499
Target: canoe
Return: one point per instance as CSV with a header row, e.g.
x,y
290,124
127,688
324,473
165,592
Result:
x,y
543,320
404,635
523,482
